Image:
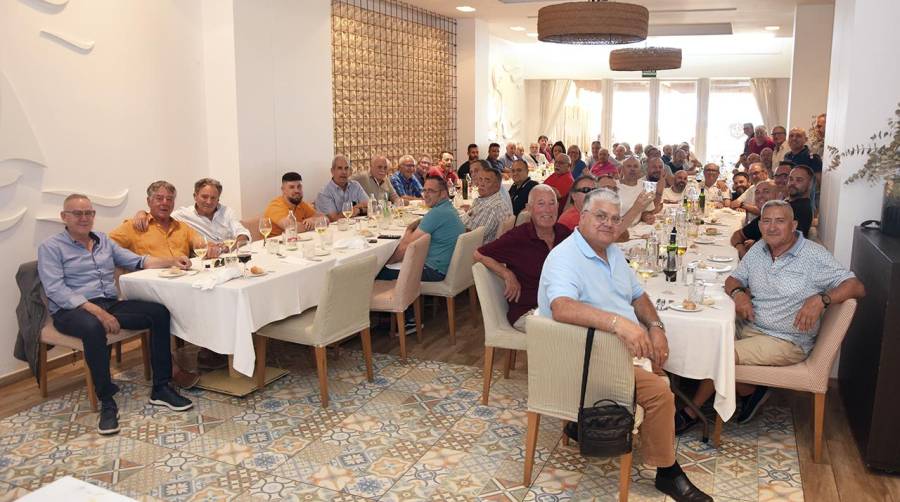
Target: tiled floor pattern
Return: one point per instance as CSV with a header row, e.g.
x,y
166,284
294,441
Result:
x,y
418,432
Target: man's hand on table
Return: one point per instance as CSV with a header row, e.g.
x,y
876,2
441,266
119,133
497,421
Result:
x,y
182,262
809,313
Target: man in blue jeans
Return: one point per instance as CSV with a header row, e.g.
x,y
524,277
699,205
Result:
x,y
443,224
77,268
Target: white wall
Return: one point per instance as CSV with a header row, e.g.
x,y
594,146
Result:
x,y
782,96
472,85
811,61
130,111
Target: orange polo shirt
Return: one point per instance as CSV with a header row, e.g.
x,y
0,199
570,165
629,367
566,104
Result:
x,y
156,241
278,209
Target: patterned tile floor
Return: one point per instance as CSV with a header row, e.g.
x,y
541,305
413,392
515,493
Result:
x,y
418,432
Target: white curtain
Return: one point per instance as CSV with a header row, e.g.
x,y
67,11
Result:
x,y
553,103
764,92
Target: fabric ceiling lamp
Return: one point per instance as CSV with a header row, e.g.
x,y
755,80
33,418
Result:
x,y
645,58
593,23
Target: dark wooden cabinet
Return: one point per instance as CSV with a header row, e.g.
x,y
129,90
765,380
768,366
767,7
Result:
x,y
870,356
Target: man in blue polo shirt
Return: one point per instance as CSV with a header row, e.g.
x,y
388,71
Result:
x,y
587,282
443,224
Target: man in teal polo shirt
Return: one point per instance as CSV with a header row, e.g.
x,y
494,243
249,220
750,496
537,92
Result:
x,y
443,224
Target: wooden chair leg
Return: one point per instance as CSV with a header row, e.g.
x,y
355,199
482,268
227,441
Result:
x,y
624,477
366,337
322,370
534,422
118,347
401,332
510,363
417,310
92,395
434,302
717,432
473,304
451,319
145,354
565,439
259,369
488,369
818,423
42,369
393,325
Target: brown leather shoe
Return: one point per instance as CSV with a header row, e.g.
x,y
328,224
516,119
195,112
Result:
x,y
208,360
184,379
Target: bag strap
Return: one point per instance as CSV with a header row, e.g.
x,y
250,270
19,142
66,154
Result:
x,y
588,345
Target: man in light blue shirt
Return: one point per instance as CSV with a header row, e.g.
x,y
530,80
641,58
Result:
x,y
587,282
340,189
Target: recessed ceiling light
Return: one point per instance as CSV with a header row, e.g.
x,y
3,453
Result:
x,y
533,35
517,28
773,28
465,8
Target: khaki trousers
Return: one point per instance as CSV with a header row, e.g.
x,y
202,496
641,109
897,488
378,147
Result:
x,y
657,432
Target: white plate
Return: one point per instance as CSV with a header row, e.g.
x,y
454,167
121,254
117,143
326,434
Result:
x,y
680,308
704,240
251,274
304,237
322,252
171,274
720,259
723,268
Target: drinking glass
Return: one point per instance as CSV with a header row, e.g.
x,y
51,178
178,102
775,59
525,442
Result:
x,y
201,246
645,268
321,228
265,228
243,253
347,209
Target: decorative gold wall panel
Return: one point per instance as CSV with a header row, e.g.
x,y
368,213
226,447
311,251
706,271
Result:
x,y
394,69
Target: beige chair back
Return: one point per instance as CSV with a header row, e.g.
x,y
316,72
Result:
x,y
252,224
523,217
555,357
409,282
459,273
506,225
497,331
343,308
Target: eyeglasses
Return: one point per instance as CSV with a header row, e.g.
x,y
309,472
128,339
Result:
x,y
82,214
782,175
604,218
583,190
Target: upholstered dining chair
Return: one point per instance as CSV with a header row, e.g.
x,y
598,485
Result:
x,y
810,375
459,276
497,331
513,221
343,311
252,224
554,381
396,296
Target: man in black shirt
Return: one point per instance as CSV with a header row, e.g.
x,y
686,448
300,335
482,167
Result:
x,y
521,186
744,238
493,157
799,154
464,168
799,183
740,184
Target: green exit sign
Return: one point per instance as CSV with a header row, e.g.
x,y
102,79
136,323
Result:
x,y
648,74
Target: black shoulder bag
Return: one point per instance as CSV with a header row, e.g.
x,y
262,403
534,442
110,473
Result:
x,y
605,429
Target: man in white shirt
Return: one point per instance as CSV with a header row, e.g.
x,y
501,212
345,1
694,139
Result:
x,y
630,187
747,200
715,192
675,193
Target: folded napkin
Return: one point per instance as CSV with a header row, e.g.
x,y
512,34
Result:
x,y
350,243
217,277
295,260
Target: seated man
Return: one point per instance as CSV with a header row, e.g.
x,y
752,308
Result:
x,y
376,180
584,185
744,238
801,179
493,158
757,173
491,207
675,193
291,201
443,224
587,282
521,187
780,289
509,157
444,169
740,182
422,168
630,188
472,158
535,159
404,181
77,268
561,180
780,177
716,191
518,256
339,190
165,237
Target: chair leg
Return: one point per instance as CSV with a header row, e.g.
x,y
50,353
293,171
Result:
x,y
401,332
393,325
92,395
717,432
322,369
473,304
818,423
118,348
366,337
510,363
145,354
565,439
417,310
42,369
488,369
259,369
451,319
624,477
534,422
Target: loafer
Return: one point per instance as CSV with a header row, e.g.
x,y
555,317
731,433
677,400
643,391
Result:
x,y
109,418
680,488
166,396
752,404
684,422
184,379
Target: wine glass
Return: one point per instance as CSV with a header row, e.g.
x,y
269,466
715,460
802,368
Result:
x,y
265,228
347,209
321,228
201,246
682,243
243,253
645,267
451,191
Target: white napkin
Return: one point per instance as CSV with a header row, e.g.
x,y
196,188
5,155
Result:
x,y
294,260
350,243
217,277
644,363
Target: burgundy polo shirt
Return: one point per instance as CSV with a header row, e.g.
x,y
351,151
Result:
x,y
523,252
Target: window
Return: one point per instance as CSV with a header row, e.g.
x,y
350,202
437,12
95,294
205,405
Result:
x,y
677,120
731,104
583,115
631,112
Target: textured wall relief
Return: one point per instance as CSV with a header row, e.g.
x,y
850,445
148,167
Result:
x,y
507,89
82,46
100,200
17,139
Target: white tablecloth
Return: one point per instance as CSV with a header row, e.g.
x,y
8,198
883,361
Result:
x,y
223,319
701,344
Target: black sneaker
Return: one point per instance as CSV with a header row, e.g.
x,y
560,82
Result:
x,y
109,418
752,403
410,327
684,422
166,396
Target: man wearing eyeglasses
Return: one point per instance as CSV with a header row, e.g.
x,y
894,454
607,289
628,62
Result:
x,y
587,282
77,268
782,172
716,191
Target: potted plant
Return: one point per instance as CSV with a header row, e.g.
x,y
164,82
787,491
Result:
x,y
882,165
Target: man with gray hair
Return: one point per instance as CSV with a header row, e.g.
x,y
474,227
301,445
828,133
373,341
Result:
x,y
376,182
340,190
780,289
165,236
491,207
586,281
404,181
518,256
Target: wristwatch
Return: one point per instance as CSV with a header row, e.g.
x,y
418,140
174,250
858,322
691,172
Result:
x,y
658,324
737,290
826,300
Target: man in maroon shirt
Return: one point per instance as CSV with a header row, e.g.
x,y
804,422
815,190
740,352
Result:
x,y
518,256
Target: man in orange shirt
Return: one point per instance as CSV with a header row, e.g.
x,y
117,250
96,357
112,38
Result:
x,y
291,199
165,236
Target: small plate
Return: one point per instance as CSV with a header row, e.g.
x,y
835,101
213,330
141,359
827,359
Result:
x,y
171,274
720,259
704,240
251,274
304,237
322,252
720,269
680,308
